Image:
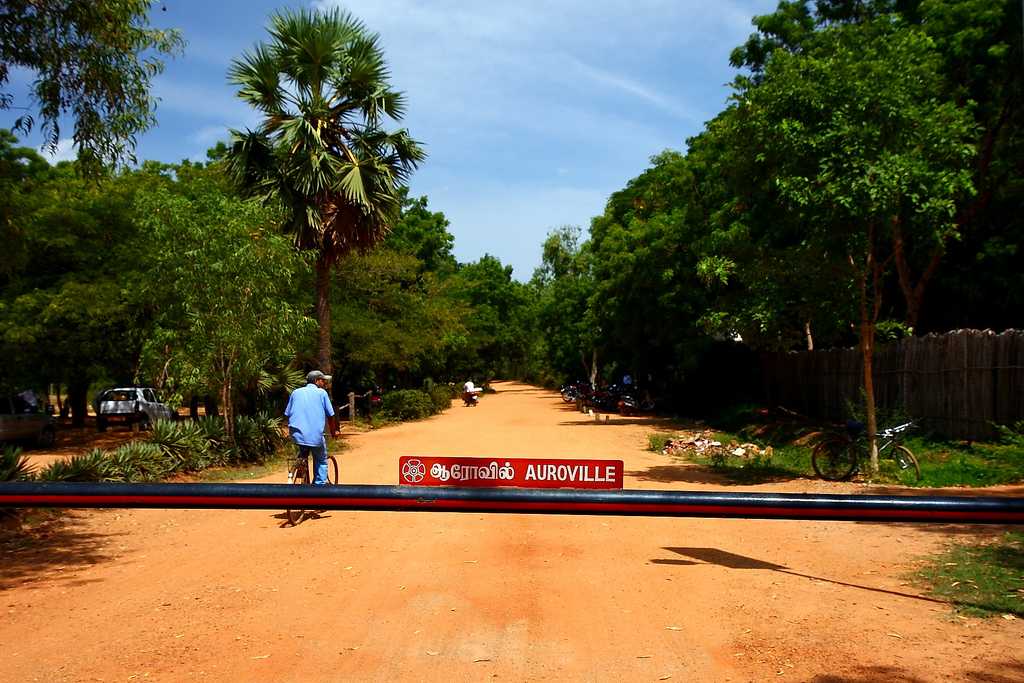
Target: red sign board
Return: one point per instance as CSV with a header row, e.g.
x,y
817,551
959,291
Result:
x,y
529,473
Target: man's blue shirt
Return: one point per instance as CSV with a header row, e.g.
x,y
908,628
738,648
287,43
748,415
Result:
x,y
307,412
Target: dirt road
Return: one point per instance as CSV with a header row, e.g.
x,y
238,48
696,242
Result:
x,y
182,595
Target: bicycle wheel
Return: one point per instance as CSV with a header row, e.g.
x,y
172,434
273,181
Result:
x,y
905,460
299,476
332,470
835,459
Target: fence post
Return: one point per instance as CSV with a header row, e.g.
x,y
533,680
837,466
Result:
x,y
351,405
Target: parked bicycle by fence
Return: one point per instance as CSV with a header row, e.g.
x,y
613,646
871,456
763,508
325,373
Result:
x,y
301,473
837,457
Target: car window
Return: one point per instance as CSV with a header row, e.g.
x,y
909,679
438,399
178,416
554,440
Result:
x,y
119,395
148,393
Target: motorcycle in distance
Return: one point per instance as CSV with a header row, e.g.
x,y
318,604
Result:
x,y
470,395
629,404
574,390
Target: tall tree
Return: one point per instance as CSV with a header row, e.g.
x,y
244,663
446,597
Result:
x,y
222,279
980,54
94,60
860,148
321,86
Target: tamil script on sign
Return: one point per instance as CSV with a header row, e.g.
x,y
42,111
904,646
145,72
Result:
x,y
530,473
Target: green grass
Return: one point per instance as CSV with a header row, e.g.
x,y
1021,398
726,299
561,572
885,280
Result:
x,y
979,579
657,441
958,464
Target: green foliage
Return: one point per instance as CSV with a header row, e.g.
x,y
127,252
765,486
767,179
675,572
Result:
x,y
13,465
656,442
95,66
946,463
256,437
981,579
135,461
392,320
321,152
408,404
91,466
423,234
189,446
223,282
499,328
441,395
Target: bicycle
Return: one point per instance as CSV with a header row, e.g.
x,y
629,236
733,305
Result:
x,y
301,473
838,457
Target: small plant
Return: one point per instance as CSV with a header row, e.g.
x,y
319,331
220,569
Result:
x,y
91,466
137,461
656,442
13,465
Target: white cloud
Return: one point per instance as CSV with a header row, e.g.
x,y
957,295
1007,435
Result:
x,y
209,135
633,88
65,151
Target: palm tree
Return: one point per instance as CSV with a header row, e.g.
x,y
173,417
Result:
x,y
321,86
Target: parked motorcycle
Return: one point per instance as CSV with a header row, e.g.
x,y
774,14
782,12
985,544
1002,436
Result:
x,y
629,404
470,398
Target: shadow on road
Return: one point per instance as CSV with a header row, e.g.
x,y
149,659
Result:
x,y
50,549
1008,671
608,421
975,532
729,560
667,474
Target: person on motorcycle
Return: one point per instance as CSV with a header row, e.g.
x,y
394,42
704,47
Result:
x,y
469,393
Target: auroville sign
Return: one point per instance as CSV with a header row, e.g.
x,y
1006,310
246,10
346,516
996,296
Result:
x,y
523,472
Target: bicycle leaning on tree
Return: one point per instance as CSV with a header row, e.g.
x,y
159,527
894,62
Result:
x,y
838,456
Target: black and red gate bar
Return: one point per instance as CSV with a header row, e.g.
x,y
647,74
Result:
x,y
748,505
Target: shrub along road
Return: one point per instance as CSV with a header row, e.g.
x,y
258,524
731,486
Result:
x,y
235,595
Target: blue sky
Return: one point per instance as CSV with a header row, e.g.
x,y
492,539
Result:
x,y
532,112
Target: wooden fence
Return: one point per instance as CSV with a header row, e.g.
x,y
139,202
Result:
x,y
958,384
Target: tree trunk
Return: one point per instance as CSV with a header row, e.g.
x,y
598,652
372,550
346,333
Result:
x,y
77,398
323,313
867,343
913,293
226,404
593,369
867,349
809,336
193,407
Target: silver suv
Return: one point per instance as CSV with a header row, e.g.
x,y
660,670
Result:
x,y
22,418
134,407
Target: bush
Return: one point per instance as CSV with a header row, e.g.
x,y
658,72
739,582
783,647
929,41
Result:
x,y
13,465
408,404
91,466
441,395
136,461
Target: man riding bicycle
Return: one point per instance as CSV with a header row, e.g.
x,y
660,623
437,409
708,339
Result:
x,y
309,409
